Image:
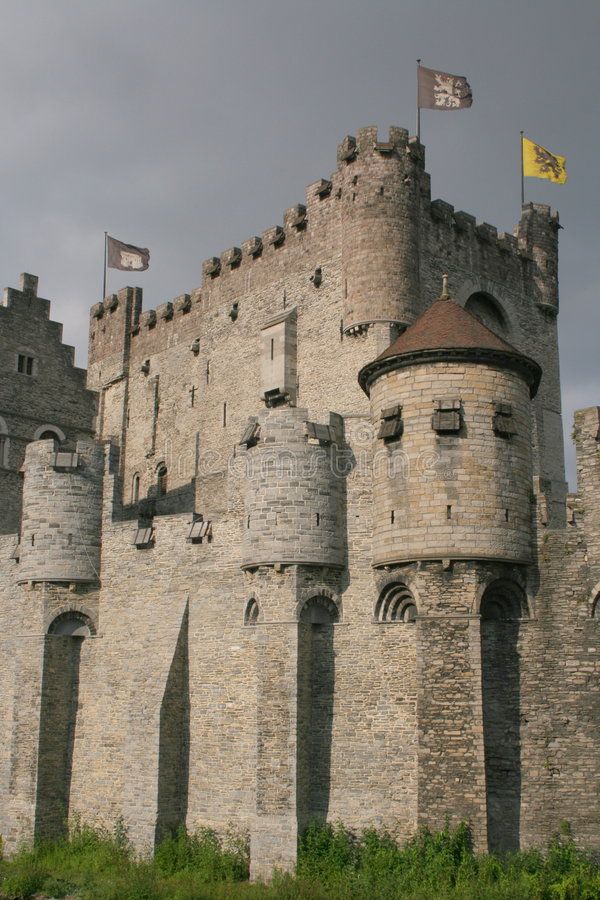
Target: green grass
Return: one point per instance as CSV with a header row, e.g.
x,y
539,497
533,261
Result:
x,y
332,863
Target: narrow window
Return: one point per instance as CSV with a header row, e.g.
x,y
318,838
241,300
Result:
x,y
33,540
135,488
392,517
272,347
163,475
24,364
224,415
248,522
506,515
2,449
207,371
448,512
318,518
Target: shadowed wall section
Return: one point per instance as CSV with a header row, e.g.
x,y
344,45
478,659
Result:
x,y
316,682
501,610
60,694
174,739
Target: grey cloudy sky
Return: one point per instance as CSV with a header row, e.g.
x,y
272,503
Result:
x,y
189,126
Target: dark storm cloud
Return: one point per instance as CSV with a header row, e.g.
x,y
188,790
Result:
x,y
188,126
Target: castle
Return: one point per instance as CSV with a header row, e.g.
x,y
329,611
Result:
x,y
300,544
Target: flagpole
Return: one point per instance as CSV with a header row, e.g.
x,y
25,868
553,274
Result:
x,y
522,174
418,107
104,281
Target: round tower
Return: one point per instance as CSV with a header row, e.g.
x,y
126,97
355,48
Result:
x,y
380,227
62,503
294,496
452,474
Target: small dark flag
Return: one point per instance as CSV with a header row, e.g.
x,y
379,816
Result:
x,y
440,90
126,257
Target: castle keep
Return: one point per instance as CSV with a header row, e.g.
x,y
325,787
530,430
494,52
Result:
x,y
301,545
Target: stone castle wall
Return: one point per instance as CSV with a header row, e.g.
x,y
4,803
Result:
x,y
265,645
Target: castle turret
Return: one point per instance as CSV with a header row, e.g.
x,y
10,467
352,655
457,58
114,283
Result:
x,y
452,459
293,501
380,227
538,238
60,533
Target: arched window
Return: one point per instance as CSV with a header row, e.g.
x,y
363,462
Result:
x,y
135,488
252,612
4,444
162,477
396,604
72,624
596,608
487,309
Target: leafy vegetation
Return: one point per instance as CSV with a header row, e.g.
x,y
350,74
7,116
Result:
x,y
332,863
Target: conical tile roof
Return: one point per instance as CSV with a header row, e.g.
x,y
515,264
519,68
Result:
x,y
447,330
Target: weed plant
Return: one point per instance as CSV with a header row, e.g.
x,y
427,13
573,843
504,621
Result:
x,y
332,863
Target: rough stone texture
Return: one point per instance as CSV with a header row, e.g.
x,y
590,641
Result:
x,y
264,675
464,494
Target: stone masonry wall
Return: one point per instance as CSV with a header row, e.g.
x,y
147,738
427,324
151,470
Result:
x,y
452,495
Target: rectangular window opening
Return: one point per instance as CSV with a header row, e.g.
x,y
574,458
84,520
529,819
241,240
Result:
x,y
25,364
224,415
448,512
392,517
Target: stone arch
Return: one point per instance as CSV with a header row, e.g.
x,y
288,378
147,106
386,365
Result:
x,y
71,622
489,311
502,608
4,444
513,587
51,430
320,597
396,603
503,599
251,612
594,602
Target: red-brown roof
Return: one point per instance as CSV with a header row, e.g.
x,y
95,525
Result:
x,y
446,326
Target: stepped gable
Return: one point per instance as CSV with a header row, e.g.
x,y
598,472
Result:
x,y
447,331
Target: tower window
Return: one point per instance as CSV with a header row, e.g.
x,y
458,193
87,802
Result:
x,y
504,425
392,426
446,416
25,364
